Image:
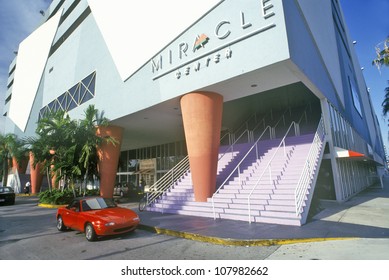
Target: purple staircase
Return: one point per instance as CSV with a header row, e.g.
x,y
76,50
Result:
x,y
272,198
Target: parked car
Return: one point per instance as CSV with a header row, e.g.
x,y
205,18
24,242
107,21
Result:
x,y
96,216
7,196
120,190
126,190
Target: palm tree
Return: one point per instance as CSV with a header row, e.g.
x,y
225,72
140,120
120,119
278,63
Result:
x,y
54,143
382,59
86,134
69,148
5,154
10,146
385,103
382,51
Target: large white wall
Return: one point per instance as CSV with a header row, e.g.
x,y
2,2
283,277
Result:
x,y
135,31
31,61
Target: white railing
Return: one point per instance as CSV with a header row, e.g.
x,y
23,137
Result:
x,y
237,168
257,127
309,168
268,166
167,180
246,124
231,147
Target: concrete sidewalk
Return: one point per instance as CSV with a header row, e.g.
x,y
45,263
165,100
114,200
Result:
x,y
364,216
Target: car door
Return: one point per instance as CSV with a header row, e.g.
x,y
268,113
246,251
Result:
x,y
71,214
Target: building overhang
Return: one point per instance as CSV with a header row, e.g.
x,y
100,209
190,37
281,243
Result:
x,y
341,153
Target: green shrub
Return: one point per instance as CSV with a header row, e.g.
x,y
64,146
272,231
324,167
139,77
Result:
x,y
94,192
58,197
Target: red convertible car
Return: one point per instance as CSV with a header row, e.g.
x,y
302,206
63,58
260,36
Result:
x,y
96,216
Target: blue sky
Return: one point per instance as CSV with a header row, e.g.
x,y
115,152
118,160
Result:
x,y
367,21
368,24
18,18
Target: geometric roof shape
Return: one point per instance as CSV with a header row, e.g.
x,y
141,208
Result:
x,y
31,61
135,31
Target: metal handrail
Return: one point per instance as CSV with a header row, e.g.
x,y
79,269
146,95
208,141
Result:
x,y
167,180
278,122
257,126
308,169
282,143
238,167
229,137
271,132
231,147
245,124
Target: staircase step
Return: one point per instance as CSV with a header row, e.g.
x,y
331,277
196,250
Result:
x,y
181,190
242,212
280,208
272,199
252,201
182,212
290,202
177,207
283,196
187,197
272,220
183,186
245,206
278,214
244,218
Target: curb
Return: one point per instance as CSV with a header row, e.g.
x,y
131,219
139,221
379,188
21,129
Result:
x,y
237,242
50,205
225,241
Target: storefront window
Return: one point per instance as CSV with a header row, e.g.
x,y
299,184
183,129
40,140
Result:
x,y
165,156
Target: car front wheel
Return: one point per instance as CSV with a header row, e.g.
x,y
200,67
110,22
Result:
x,y
90,233
60,225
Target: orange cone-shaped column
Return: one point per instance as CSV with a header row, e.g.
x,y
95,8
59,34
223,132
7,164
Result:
x,y
54,183
202,117
36,175
109,159
21,167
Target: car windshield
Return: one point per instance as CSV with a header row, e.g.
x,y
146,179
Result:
x,y
5,190
97,203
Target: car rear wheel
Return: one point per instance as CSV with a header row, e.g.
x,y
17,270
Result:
x,y
90,233
60,225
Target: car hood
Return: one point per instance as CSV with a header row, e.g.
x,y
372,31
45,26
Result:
x,y
116,214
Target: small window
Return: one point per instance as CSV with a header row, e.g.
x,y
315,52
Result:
x,y
355,97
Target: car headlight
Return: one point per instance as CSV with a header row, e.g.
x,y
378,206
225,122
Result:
x,y
110,224
136,219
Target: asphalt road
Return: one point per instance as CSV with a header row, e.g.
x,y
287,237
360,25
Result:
x,y
28,232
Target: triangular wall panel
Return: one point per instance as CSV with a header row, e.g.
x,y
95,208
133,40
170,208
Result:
x,y
31,61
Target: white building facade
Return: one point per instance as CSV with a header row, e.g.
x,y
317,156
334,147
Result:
x,y
193,79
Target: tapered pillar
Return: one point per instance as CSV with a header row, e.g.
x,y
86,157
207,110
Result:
x,y
53,179
109,155
36,175
21,167
202,117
